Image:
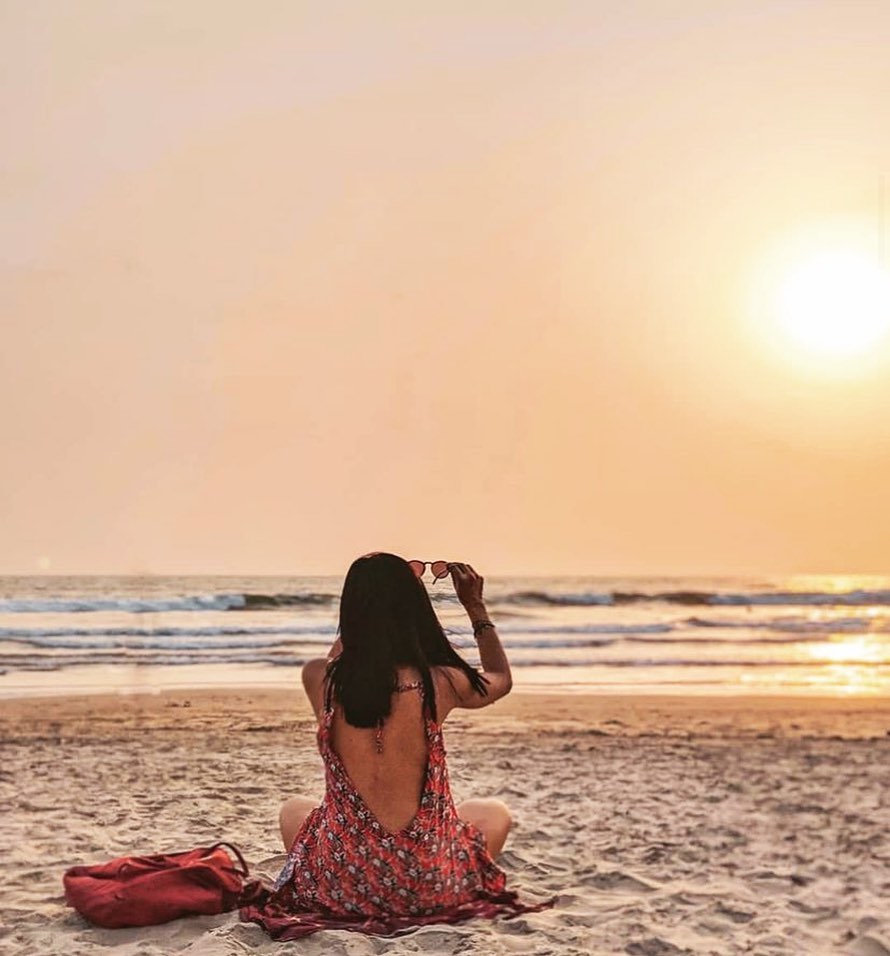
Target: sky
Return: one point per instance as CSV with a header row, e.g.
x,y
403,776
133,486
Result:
x,y
284,283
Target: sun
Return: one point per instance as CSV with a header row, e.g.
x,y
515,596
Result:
x,y
834,304
818,303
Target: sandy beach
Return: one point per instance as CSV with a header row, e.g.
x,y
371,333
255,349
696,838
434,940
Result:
x,y
663,825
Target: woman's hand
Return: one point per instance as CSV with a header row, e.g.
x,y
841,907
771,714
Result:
x,y
468,587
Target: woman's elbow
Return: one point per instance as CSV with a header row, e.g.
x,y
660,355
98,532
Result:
x,y
501,687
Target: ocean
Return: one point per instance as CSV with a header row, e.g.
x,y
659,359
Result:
x,y
810,635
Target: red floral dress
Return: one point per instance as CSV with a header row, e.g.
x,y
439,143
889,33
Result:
x,y
345,871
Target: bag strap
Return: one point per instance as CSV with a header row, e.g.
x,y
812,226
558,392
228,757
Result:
x,y
245,871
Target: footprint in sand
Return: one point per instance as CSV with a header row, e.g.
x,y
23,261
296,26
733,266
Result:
x,y
616,881
868,946
737,916
654,946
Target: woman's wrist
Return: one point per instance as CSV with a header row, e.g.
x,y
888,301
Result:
x,y
476,610
482,626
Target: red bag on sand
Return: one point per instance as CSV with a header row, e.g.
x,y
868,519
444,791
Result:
x,y
146,890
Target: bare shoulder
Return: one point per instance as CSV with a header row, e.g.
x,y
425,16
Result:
x,y
313,672
313,683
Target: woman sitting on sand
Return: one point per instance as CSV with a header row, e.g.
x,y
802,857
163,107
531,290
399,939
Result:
x,y
387,849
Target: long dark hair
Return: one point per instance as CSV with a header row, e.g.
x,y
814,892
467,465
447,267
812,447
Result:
x,y
387,621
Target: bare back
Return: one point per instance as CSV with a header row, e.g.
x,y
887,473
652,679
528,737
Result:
x,y
387,768
389,778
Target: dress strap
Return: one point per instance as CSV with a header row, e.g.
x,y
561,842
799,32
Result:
x,y
401,689
413,685
328,696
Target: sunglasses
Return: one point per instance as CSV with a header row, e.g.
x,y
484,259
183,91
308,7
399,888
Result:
x,y
439,568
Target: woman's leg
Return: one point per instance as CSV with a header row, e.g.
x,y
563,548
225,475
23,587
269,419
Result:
x,y
492,817
291,816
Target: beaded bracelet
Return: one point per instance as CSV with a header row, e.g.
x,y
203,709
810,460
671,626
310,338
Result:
x,y
481,626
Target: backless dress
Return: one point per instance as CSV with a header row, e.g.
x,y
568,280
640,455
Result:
x,y
346,871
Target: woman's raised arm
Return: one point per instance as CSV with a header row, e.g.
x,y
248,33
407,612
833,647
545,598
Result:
x,y
495,666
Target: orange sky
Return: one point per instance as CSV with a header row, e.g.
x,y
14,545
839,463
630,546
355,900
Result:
x,y
284,283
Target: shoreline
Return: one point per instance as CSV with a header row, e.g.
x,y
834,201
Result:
x,y
847,684
635,714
